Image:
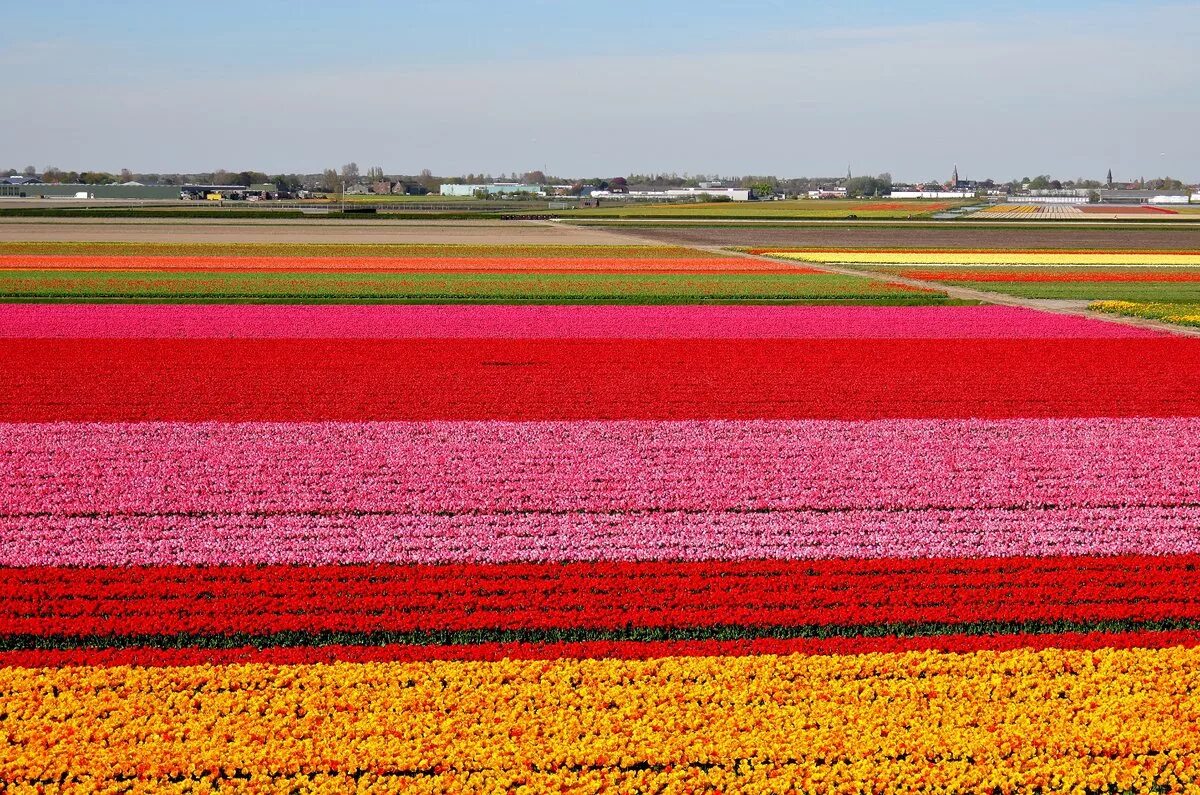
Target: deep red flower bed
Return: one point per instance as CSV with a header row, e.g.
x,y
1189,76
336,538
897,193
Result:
x,y
600,596
514,379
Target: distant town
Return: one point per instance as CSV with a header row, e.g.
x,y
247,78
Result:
x,y
220,185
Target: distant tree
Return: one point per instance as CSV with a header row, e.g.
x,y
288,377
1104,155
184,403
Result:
x,y
97,178
427,181
329,181
868,186
374,174
1055,185
618,185
1165,183
534,178
1093,196
576,189
29,171
126,175
763,189
52,174
350,173
288,183
1040,182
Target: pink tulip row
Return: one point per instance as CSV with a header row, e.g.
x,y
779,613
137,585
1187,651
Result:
x,y
453,466
323,492
687,322
282,538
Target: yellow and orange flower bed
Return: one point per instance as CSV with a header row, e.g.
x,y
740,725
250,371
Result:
x,y
918,721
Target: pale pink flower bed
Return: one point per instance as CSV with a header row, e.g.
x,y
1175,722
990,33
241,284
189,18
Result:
x,y
90,494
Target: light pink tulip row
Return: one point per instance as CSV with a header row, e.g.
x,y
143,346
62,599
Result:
x,y
318,492
252,538
700,322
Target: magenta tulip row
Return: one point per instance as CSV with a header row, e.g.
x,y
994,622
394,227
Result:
x,y
322,492
699,322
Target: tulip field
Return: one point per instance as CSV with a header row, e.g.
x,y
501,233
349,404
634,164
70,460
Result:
x,y
419,274
1157,285
506,538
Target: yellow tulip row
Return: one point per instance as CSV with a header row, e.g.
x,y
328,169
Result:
x,y
992,258
1028,209
921,721
1179,313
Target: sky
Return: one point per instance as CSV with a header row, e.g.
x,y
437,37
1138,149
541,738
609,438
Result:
x,y
604,88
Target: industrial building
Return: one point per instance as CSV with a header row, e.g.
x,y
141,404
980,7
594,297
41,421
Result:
x,y
494,189
676,194
42,190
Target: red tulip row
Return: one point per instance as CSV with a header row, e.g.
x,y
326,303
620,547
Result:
x,y
601,596
515,379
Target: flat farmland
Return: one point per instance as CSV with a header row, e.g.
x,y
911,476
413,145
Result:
x,y
306,231
1140,284
802,208
421,273
949,235
368,510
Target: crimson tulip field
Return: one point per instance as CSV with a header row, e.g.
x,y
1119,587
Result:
x,y
471,546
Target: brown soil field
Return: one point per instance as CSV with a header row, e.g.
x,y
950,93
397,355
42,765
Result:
x,y
302,231
949,237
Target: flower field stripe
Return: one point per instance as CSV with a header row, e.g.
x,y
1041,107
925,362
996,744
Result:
x,y
331,537
40,321
1014,253
957,257
1088,275
1123,719
65,262
784,284
1185,314
364,599
296,380
366,646
181,493
344,250
823,641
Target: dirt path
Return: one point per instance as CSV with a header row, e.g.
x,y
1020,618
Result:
x,y
1057,305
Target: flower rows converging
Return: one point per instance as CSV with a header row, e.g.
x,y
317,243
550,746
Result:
x,y
1111,278
423,274
597,548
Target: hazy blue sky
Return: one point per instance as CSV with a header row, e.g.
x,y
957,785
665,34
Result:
x,y
607,87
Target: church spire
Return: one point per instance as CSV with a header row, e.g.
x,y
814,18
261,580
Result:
x,y
954,179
